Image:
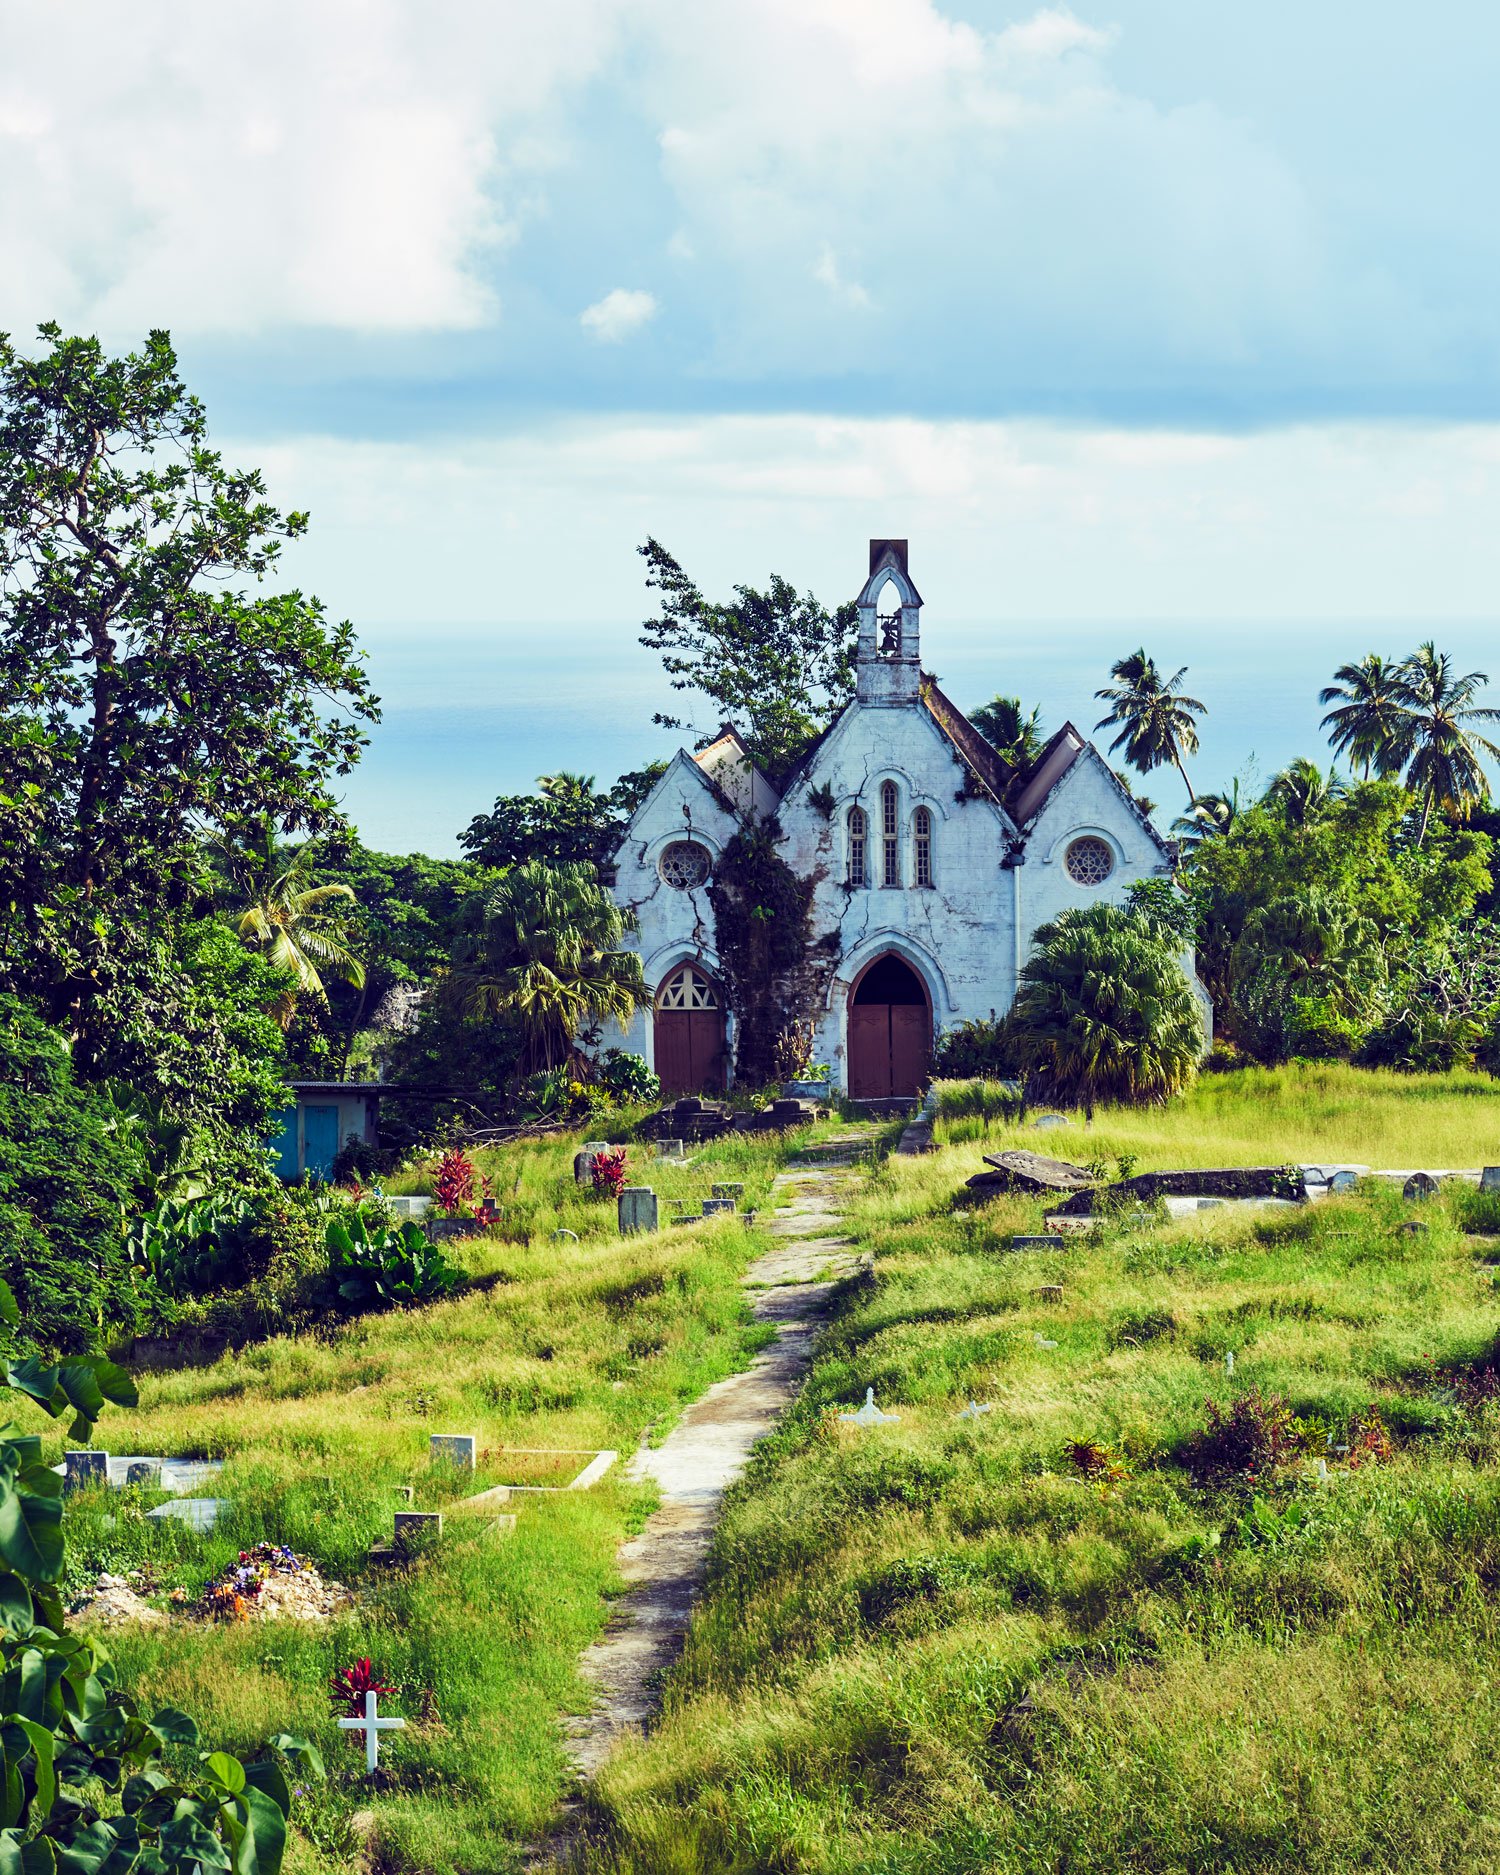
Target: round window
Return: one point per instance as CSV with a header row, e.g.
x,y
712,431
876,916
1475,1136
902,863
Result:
x,y
1089,861
684,865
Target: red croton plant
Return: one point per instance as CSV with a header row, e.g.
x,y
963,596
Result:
x,y
347,1689
609,1171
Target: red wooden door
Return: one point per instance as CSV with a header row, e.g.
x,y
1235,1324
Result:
x,y
690,1055
870,1051
911,1037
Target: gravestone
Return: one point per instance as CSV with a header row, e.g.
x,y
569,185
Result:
x,y
1412,1229
718,1207
198,1513
85,1468
565,1236
1419,1187
869,1414
731,1190
1489,1178
975,1410
143,1471
1343,1181
595,1145
1048,1292
455,1448
418,1524
583,1168
1036,1243
1051,1119
638,1209
669,1149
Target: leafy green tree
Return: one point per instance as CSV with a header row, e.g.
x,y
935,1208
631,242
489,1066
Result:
x,y
1439,744
778,664
1307,973
89,1786
1154,718
1011,729
1105,1011
149,695
1368,721
567,822
550,950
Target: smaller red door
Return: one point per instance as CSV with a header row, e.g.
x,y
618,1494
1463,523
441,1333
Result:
x,y
869,1051
690,1055
911,1031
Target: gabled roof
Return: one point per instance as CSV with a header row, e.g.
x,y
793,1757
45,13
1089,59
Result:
x,y
681,763
986,764
1027,803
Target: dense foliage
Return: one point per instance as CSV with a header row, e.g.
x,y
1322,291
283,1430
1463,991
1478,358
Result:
x,y
568,821
91,1785
1104,1010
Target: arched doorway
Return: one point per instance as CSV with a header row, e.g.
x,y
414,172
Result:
x,y
690,1054
890,1032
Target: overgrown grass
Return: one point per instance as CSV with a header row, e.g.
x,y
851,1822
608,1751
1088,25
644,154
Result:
x,y
587,1345
939,1646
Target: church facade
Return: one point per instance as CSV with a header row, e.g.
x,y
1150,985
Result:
x,y
933,859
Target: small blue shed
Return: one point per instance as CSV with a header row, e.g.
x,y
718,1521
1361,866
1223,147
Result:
x,y
319,1120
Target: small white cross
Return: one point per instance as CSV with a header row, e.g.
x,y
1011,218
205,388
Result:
x,y
372,1728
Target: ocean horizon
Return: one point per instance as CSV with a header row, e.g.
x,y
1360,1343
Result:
x,y
477,711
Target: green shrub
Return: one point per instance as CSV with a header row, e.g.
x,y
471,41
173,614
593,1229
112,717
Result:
x,y
979,1050
377,1265
627,1078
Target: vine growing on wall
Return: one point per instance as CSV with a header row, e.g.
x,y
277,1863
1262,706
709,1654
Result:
x,y
774,971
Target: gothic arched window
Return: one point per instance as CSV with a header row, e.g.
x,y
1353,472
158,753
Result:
x,y
859,840
890,836
921,831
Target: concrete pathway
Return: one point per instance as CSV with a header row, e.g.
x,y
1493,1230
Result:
x,y
710,1445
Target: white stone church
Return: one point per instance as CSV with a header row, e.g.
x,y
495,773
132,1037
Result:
x,y
936,865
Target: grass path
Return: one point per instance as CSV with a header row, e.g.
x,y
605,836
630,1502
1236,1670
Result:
x,y
708,1449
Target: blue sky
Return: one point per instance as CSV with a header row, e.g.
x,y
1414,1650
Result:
x,y
1156,309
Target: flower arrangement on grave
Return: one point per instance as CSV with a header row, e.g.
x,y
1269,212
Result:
x,y
347,1688
229,1594
609,1171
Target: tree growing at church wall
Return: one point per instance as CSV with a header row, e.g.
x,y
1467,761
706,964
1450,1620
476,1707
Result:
x,y
775,973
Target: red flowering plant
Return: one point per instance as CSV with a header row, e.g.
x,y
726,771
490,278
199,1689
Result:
x,y
347,1689
609,1171
454,1182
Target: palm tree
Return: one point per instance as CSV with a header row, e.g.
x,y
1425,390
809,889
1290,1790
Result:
x,y
289,922
1440,750
1105,1010
1156,719
1207,817
1369,723
1010,729
550,950
1302,791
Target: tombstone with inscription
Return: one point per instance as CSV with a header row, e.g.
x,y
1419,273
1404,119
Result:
x,y
1419,1187
454,1448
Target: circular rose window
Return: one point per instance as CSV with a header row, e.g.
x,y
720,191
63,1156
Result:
x,y
684,865
1089,861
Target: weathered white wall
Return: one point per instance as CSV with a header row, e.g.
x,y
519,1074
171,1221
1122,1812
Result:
x,y
676,926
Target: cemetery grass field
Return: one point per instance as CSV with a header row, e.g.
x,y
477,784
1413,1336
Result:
x,y
1037,1641
565,1345
938,1646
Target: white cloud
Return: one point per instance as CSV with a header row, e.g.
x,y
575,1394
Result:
x,y
618,315
826,273
336,163
1018,520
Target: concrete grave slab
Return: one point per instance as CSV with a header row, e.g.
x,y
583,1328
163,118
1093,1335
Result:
x,y
198,1513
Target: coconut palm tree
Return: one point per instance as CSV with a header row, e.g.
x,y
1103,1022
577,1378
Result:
x,y
1155,719
550,949
1207,817
1302,791
1369,723
1440,748
289,921
1009,728
1105,1011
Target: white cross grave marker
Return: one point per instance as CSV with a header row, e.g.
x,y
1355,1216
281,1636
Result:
x,y
372,1728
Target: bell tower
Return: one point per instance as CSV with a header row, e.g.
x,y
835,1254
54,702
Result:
x,y
888,660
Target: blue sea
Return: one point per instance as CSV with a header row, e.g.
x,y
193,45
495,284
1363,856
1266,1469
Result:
x,y
470,713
